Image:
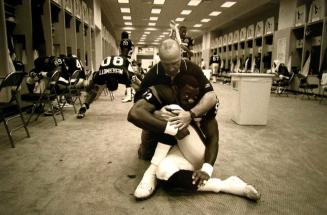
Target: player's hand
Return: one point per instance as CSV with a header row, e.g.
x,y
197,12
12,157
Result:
x,y
182,120
173,24
200,178
163,114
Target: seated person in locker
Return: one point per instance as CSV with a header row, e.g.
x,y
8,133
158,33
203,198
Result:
x,y
189,164
69,64
43,67
73,63
170,66
113,70
214,63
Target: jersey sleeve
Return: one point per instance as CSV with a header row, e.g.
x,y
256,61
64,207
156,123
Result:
x,y
151,96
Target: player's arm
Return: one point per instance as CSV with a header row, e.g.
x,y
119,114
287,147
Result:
x,y
141,115
210,128
183,119
208,101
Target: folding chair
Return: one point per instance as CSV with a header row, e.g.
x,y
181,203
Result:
x,y
11,110
46,97
323,85
307,88
73,92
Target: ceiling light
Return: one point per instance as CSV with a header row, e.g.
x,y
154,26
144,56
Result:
x,y
214,13
123,1
158,1
152,24
155,43
151,29
186,12
161,36
127,17
155,11
228,4
125,10
205,20
197,25
141,42
179,19
194,3
147,32
166,33
153,18
128,23
128,28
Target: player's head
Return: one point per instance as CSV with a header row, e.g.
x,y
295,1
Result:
x,y
170,56
215,52
182,31
188,90
124,35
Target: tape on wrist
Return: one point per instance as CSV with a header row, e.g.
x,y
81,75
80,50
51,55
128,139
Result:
x,y
170,129
207,168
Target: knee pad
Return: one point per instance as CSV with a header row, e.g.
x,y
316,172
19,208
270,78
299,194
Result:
x,y
166,169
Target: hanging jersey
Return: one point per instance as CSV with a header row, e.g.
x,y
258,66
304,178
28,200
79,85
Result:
x,y
188,42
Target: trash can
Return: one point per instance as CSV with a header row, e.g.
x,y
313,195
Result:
x,y
251,94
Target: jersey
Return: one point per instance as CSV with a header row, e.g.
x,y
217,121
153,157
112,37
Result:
x,y
188,42
73,64
157,76
48,65
114,70
214,59
126,47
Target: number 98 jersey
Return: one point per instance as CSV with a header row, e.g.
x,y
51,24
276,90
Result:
x,y
114,67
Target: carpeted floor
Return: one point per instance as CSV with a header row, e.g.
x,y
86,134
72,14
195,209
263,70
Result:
x,y
90,166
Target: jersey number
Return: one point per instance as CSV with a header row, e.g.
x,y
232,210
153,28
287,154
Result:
x,y
116,61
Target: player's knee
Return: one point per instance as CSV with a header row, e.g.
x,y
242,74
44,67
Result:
x,y
166,169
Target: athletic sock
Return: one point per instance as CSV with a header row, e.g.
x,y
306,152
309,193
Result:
x,y
212,185
160,153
